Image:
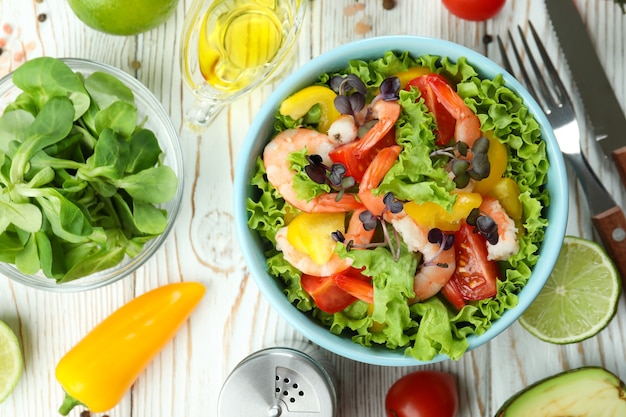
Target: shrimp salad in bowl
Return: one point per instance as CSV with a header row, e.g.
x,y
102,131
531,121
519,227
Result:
x,y
401,202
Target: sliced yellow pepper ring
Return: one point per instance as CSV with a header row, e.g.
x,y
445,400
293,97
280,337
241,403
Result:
x,y
433,215
411,73
310,233
507,193
298,104
498,158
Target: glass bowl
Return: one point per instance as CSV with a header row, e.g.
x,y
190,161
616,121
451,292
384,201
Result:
x,y
159,122
261,131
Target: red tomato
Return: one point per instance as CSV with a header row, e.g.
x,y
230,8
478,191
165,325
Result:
x,y
356,284
445,122
326,294
453,294
475,276
356,166
423,394
476,10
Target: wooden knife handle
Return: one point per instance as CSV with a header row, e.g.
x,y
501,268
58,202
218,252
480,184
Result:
x,y
619,157
611,226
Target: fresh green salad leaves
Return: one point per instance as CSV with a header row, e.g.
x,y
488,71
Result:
x,y
424,329
80,177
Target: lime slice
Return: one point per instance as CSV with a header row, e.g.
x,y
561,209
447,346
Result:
x,y
10,361
580,297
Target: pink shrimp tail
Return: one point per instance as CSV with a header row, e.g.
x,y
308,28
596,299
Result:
x,y
387,113
467,123
374,174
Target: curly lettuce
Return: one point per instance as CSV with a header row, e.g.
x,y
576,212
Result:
x,y
427,328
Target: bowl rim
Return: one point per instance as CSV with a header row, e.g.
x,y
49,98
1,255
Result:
x,y
338,58
112,275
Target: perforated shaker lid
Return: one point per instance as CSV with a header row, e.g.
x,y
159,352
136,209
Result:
x,y
278,382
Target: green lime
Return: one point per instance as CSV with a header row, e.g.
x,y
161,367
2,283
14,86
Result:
x,y
10,361
123,17
580,297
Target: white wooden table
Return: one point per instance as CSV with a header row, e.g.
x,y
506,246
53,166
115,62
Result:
x,y
234,320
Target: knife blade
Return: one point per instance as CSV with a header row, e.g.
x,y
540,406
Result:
x,y
608,122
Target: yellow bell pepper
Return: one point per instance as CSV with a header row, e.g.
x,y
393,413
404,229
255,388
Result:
x,y
99,370
298,104
433,215
311,233
411,73
498,158
506,191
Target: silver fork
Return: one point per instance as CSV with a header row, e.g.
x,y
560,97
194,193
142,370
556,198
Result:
x,y
608,218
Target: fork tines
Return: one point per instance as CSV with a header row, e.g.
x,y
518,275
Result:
x,y
549,97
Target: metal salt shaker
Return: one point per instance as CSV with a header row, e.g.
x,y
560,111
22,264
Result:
x,y
285,381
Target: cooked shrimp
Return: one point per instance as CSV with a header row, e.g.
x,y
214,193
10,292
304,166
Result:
x,y
280,175
301,260
507,244
344,129
387,114
373,176
438,265
467,128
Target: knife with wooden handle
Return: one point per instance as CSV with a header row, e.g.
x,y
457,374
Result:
x,y
603,110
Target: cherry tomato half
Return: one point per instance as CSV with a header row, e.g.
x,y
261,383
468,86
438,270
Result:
x,y
423,394
476,10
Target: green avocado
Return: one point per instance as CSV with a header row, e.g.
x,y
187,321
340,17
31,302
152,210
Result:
x,y
587,391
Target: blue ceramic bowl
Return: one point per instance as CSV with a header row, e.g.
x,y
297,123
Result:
x,y
260,133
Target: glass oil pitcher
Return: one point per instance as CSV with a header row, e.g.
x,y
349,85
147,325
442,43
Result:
x,y
229,47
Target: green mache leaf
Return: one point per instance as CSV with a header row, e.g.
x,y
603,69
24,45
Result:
x,y
120,117
99,261
10,246
13,126
52,124
51,257
23,101
144,151
66,219
105,89
148,218
27,260
26,216
155,185
109,158
46,77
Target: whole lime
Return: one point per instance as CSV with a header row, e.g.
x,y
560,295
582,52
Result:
x,y
123,17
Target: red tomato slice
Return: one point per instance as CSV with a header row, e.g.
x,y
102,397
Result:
x,y
445,122
356,284
356,166
475,276
326,293
453,294
423,394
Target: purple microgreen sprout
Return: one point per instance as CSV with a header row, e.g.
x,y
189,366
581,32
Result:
x,y
445,242
351,104
464,169
335,175
484,225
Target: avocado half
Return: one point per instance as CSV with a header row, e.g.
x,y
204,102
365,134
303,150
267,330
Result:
x,y
587,391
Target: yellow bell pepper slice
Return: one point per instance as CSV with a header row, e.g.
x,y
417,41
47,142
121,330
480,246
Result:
x,y
411,73
433,215
310,233
298,104
506,191
101,368
498,158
